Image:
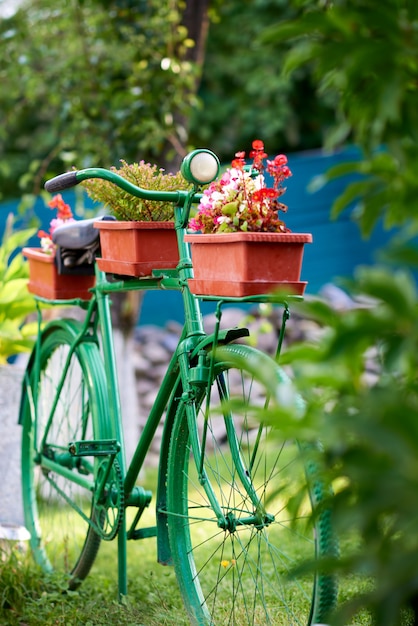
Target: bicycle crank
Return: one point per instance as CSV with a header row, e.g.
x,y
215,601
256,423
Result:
x,y
109,494
109,505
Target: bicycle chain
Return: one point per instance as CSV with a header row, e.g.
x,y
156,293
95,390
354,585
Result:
x,y
110,528
107,536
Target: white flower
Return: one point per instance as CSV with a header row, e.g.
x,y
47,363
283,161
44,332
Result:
x,y
223,219
47,245
216,196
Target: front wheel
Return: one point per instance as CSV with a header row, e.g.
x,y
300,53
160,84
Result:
x,y
237,570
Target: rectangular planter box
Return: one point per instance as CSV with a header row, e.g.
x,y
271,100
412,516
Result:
x,y
247,264
44,280
136,248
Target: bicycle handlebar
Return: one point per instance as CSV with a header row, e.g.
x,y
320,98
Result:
x,y
61,182
199,167
71,179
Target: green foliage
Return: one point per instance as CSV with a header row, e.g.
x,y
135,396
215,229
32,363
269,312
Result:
x,y
93,81
125,207
364,59
243,93
360,384
359,379
15,301
88,84
17,583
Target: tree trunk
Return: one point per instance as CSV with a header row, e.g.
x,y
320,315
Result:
x,y
196,20
126,307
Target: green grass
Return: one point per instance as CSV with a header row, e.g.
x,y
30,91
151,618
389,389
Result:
x,y
27,596
30,598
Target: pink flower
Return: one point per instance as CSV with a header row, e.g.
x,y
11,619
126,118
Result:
x,y
195,224
57,221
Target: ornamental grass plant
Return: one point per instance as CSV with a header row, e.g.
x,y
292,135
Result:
x,y
126,207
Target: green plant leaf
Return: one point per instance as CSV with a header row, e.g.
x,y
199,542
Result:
x,y
396,289
353,191
17,240
230,208
10,290
316,309
17,268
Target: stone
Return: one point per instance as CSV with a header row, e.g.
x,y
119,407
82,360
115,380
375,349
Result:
x,y
11,506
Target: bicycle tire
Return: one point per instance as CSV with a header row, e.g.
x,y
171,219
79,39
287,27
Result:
x,y
239,575
61,541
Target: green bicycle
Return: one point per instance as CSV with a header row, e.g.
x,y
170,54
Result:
x,y
225,477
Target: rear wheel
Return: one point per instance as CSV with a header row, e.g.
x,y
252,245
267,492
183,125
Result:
x,y
58,409
237,571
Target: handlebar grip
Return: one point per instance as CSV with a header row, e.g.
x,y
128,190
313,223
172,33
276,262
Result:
x,y
61,182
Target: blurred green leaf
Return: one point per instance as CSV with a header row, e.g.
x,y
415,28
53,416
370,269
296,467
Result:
x,y
16,303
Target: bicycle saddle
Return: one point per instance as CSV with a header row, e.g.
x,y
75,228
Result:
x,y
78,243
79,234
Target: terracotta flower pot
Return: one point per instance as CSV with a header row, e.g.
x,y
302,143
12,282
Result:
x,y
136,248
247,264
44,280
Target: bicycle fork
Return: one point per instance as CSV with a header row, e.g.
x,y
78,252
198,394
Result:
x,y
199,381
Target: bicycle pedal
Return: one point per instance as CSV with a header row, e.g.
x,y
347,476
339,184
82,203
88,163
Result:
x,y
103,447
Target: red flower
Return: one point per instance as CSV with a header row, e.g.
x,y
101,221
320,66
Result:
x,y
280,159
265,193
258,145
42,234
258,195
64,214
239,160
63,210
257,154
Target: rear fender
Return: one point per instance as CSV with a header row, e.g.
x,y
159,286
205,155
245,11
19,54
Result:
x,y
73,328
